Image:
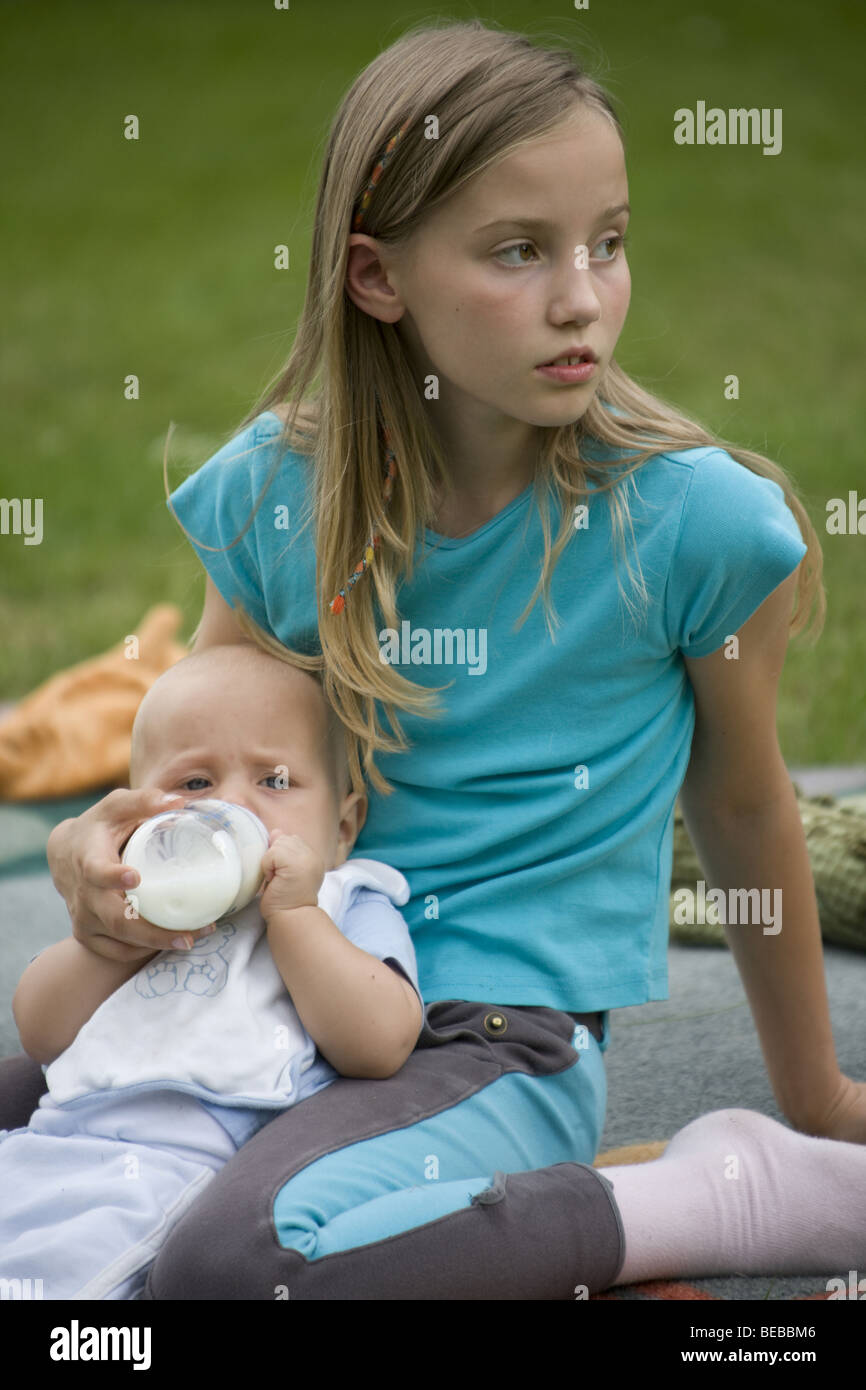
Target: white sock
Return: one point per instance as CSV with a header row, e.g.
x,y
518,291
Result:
x,y
797,1204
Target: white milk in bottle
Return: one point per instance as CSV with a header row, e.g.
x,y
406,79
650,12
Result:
x,y
196,864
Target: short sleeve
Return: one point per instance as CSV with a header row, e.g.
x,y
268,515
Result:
x,y
737,540
270,570
374,924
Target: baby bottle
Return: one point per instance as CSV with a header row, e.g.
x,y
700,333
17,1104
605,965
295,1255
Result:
x,y
196,864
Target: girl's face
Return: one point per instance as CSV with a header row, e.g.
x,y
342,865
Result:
x,y
522,265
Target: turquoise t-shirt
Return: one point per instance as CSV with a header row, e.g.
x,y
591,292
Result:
x,y
534,820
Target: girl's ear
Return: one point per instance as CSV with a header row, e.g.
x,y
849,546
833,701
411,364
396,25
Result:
x,y
370,284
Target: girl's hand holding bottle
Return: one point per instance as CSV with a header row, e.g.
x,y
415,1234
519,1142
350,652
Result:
x,y
84,860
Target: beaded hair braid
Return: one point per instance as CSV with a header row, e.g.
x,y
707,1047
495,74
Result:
x,y
338,603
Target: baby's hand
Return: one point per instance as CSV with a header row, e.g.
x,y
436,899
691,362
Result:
x,y
293,874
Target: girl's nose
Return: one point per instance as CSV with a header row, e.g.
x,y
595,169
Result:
x,y
574,297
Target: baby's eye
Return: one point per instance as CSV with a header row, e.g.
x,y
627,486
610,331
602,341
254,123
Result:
x,y
280,781
189,783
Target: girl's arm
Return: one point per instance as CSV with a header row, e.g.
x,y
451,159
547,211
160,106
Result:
x,y
741,812
60,990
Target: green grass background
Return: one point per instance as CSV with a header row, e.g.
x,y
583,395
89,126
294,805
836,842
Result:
x,y
155,257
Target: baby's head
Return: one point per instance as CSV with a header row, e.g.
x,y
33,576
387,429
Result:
x,y
233,723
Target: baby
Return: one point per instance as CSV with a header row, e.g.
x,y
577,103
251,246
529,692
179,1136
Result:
x,y
159,1069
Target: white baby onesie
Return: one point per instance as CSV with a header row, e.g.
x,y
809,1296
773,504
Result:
x,y
216,1021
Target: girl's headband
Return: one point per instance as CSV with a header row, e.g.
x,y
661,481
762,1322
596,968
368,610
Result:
x,y
338,603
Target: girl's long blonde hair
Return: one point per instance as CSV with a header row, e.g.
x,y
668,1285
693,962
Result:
x,y
491,91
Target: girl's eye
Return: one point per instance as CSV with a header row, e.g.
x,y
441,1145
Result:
x,y
518,246
277,777
618,242
189,781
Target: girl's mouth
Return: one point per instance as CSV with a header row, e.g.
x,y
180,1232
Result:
x,y
569,374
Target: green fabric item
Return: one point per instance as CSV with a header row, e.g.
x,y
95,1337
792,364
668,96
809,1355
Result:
x,y
835,831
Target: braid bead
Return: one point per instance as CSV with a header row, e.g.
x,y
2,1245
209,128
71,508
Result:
x,y
338,602
366,196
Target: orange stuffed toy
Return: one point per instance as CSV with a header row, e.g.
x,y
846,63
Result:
x,y
73,733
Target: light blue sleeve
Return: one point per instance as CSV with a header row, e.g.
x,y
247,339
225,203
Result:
x,y
269,570
737,541
374,924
